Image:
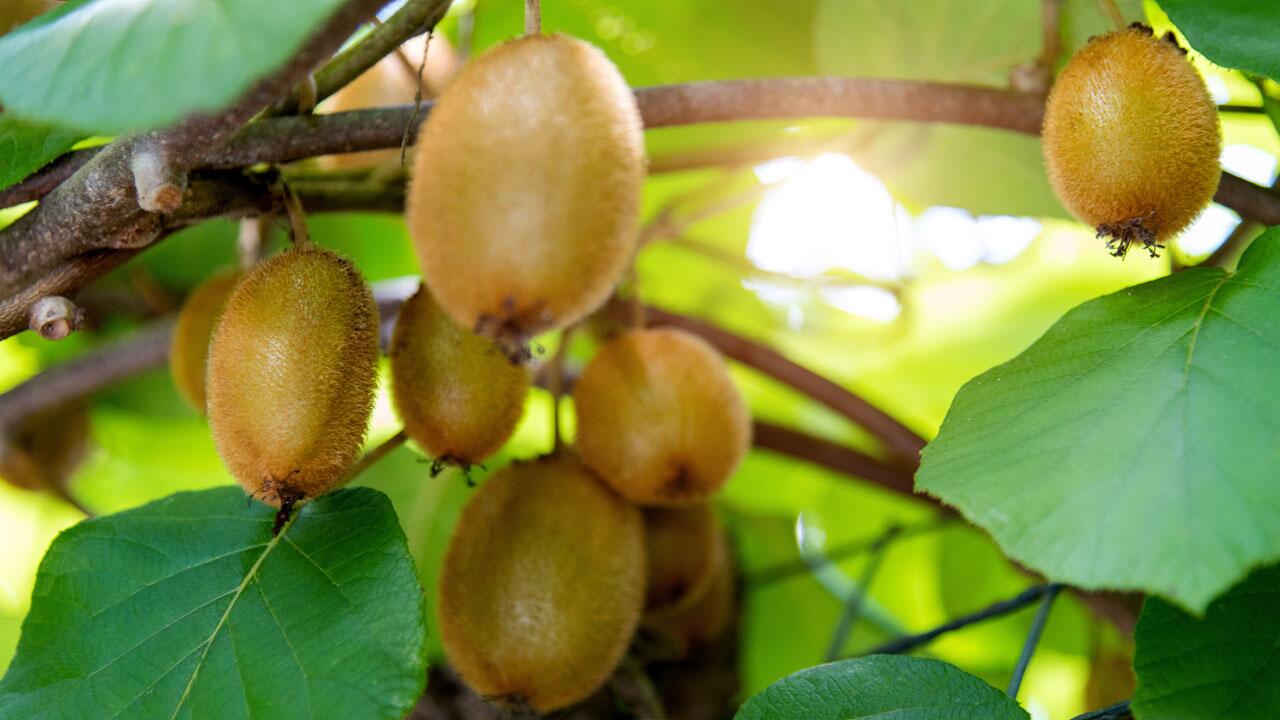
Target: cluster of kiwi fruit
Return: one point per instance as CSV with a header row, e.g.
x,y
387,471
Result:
x,y
523,209
1131,139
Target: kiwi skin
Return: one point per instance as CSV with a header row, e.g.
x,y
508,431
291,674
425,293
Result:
x,y
1131,139
292,369
189,349
45,449
525,192
542,585
686,628
457,394
659,418
684,548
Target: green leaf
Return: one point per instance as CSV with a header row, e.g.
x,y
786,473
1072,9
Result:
x,y
188,608
1219,667
881,686
26,147
111,66
1233,33
1134,445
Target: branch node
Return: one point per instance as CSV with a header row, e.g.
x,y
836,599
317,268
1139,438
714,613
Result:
x,y
56,317
158,182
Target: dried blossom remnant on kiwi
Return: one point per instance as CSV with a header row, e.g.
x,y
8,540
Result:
x,y
512,330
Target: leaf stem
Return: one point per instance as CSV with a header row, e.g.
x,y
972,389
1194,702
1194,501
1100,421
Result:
x,y
995,610
1033,639
853,608
532,17
791,568
1119,711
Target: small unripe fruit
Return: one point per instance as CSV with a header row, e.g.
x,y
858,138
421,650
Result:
x,y
1132,139
292,369
684,547
457,394
189,349
685,628
43,451
659,418
542,585
526,187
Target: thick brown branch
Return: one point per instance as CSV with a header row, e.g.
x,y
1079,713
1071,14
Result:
x,y
97,207
900,439
839,458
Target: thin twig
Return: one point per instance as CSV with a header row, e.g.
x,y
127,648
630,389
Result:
x,y
415,18
792,568
1000,609
555,385
853,608
1113,11
371,458
1119,711
900,439
1033,639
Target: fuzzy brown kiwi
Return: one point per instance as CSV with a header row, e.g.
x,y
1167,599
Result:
x,y
542,585
687,627
1131,139
43,451
189,349
292,369
458,395
525,190
659,417
684,548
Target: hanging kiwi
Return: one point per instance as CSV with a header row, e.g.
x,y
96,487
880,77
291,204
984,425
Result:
x,y
292,368
659,418
684,548
1131,139
456,392
525,191
44,450
542,585
189,349
685,628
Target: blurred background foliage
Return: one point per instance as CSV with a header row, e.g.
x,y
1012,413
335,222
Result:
x,y
897,259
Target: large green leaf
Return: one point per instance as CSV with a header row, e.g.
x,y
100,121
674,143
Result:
x,y
1224,666
110,66
881,686
189,608
1232,33
26,147
1134,445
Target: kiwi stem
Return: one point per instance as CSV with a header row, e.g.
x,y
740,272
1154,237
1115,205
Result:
x,y
297,217
532,17
1051,38
373,456
1113,11
631,670
249,241
555,385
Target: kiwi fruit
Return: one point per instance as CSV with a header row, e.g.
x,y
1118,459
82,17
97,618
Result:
x,y
457,394
1131,139
684,548
189,349
525,192
685,628
542,586
292,369
44,449
659,418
